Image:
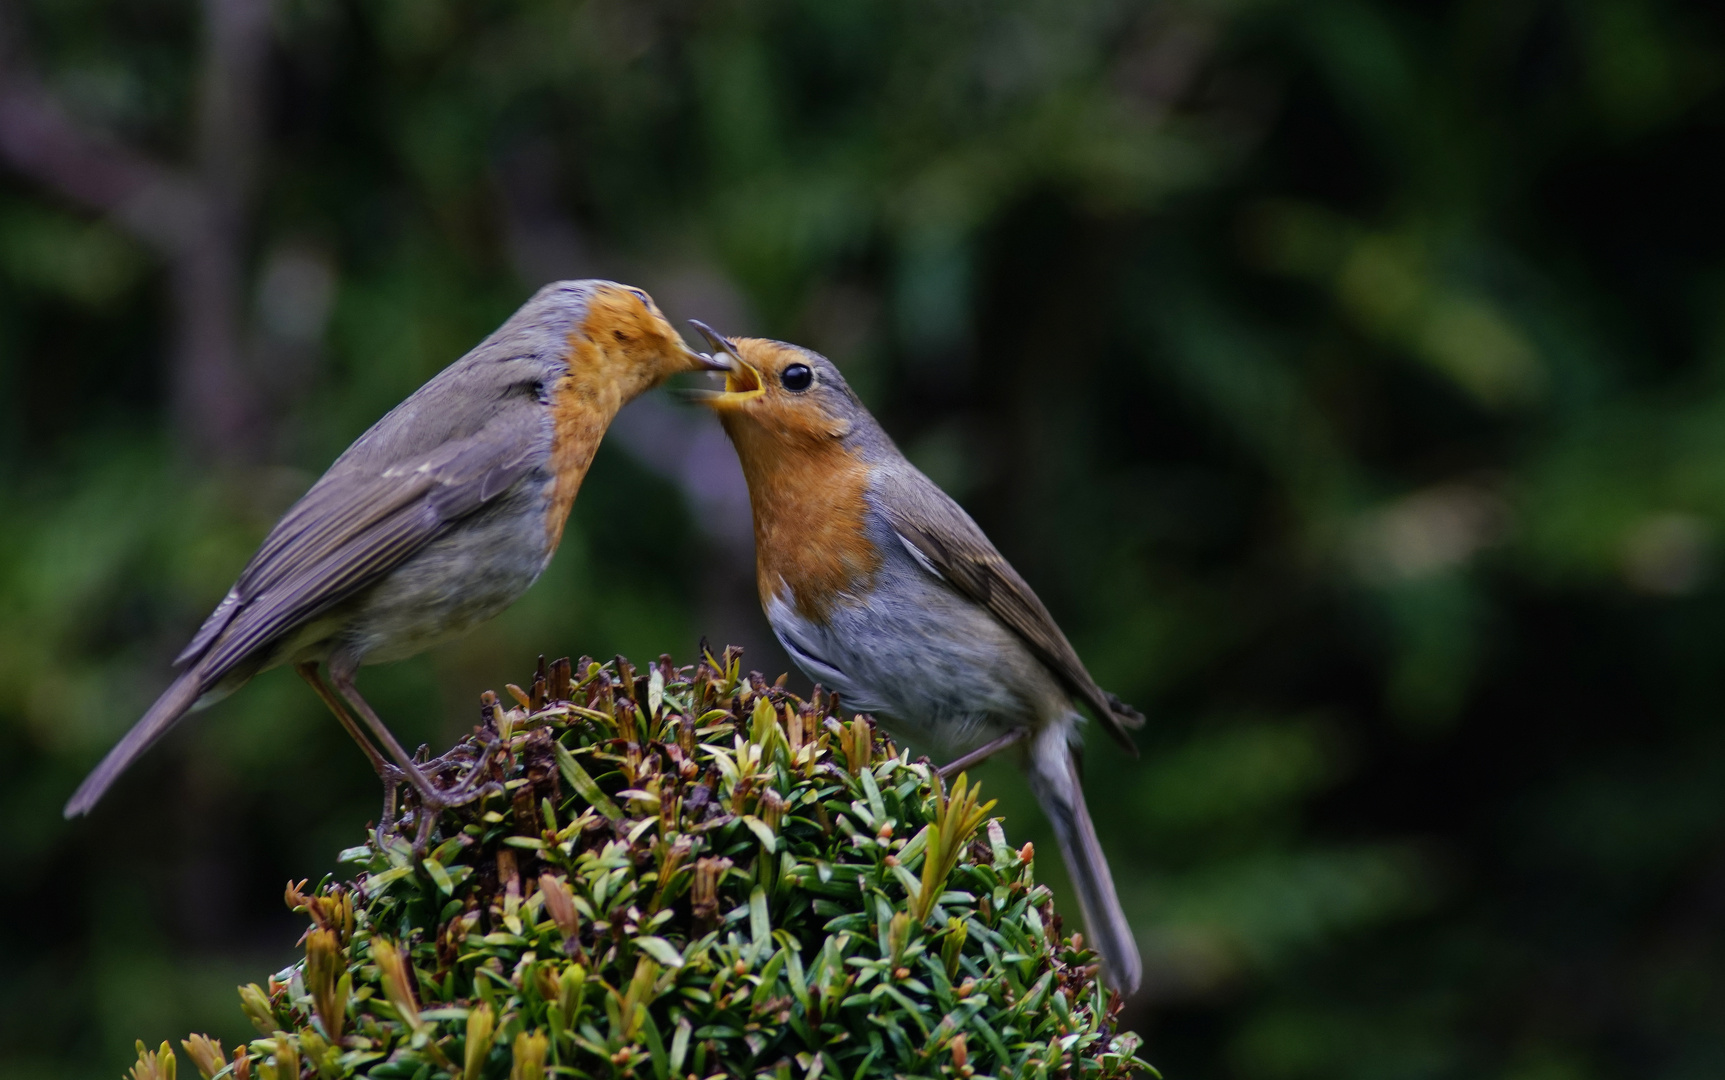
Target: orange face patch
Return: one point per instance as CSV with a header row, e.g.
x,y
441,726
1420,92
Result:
x,y
622,349
805,486
757,394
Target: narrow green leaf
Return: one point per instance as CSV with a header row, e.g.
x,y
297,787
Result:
x,y
769,840
795,975
655,1044
375,883
769,978
439,875
871,791
760,925
585,784
661,950
680,1044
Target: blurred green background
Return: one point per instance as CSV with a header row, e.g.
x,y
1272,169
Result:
x,y
1347,375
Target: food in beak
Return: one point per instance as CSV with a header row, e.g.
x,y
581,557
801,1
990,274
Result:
x,y
742,379
711,362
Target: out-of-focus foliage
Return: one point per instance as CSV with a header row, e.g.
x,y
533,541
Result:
x,y
1346,375
683,872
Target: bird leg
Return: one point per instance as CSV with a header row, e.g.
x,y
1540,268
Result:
x,y
343,681
422,835
431,798
474,783
983,752
391,776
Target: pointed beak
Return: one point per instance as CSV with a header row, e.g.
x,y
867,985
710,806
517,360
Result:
x,y
700,361
742,379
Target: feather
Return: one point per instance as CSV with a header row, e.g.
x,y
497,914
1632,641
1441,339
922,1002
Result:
x,y
353,527
947,543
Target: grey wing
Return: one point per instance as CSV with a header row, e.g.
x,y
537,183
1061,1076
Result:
x,y
946,542
354,526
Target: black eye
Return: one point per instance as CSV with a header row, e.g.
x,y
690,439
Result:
x,y
646,301
797,378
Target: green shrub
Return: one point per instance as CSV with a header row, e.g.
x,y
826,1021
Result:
x,y
685,873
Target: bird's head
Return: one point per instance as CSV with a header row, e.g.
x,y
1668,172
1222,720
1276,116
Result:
x,y
779,395
624,335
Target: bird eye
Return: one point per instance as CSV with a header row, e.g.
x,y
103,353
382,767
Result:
x,y
797,378
646,301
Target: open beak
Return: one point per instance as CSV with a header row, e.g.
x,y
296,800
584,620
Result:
x,y
701,361
742,379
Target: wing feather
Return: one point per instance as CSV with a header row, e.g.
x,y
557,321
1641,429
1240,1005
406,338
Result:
x,y
354,526
948,544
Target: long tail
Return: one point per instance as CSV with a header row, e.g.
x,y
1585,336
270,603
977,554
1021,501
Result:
x,y
175,701
1054,779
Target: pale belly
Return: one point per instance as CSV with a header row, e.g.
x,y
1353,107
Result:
x,y
934,666
458,581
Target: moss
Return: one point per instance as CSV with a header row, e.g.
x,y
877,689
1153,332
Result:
x,y
683,872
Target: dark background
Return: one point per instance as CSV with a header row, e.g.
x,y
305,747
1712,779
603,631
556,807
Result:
x,y
1347,375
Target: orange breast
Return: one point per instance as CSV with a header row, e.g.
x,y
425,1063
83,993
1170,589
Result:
x,y
639,352
580,414
811,536
586,399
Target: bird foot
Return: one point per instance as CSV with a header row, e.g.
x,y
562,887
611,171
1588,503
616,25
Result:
x,y
474,784
392,778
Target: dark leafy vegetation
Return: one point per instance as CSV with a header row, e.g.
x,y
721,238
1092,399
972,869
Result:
x,y
682,872
1347,376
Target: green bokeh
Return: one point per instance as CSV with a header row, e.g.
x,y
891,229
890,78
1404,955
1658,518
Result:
x,y
1347,376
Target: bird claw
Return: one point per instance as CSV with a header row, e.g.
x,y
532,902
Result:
x,y
475,784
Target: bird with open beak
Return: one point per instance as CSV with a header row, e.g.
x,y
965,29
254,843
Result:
x,y
882,588
432,522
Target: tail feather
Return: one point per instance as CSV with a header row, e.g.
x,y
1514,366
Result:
x,y
1054,779
1128,716
174,703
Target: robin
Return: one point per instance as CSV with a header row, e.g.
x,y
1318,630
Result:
x,y
882,588
432,522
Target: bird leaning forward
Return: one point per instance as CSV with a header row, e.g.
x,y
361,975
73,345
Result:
x,y
882,588
434,521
